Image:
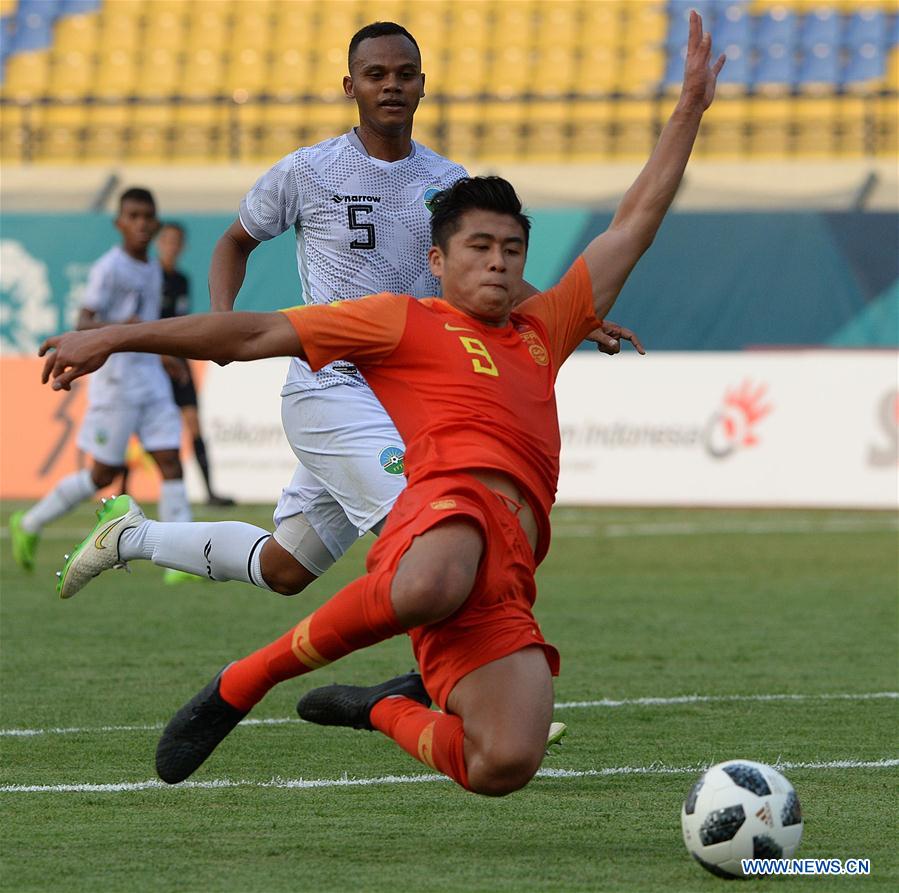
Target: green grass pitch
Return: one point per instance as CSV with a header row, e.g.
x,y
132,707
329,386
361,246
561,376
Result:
x,y
643,604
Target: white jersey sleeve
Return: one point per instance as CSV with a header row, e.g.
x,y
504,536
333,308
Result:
x,y
272,206
98,292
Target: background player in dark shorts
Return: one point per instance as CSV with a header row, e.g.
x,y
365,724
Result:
x,y
176,302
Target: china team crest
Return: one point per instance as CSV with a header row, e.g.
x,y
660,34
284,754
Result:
x,y
391,460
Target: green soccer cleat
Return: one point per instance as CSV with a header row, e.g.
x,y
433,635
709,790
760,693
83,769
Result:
x,y
174,577
99,550
557,731
24,544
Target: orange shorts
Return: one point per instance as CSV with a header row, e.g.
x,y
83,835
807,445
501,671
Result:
x,y
496,619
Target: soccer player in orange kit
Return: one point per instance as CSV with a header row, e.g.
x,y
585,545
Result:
x,y
454,567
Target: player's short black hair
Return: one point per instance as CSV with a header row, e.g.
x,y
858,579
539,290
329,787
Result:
x,y
473,193
378,29
137,194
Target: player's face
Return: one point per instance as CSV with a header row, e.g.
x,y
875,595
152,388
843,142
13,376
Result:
x,y
137,223
386,81
170,244
482,268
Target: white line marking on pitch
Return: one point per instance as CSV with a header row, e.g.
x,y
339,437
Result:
x,y
346,781
561,705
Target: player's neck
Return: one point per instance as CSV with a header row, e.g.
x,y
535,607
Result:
x,y
137,253
385,147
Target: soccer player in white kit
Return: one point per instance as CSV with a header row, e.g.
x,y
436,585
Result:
x,y
358,206
132,396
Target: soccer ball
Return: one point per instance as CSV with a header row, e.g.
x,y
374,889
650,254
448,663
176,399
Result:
x,y
740,810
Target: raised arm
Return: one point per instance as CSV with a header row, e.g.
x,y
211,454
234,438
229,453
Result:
x,y
202,336
611,256
228,266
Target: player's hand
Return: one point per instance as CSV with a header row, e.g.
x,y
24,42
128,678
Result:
x,y
72,355
700,77
608,338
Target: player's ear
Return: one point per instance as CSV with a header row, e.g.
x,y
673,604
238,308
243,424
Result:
x,y
435,261
421,95
348,87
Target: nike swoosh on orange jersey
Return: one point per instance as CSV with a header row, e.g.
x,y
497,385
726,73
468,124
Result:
x,y
450,328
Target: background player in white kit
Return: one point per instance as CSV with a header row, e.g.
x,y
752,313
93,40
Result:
x,y
133,396
358,205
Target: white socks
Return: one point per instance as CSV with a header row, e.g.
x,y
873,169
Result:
x,y
173,504
61,499
218,550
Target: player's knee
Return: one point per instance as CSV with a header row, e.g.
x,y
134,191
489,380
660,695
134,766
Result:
x,y
286,577
503,768
104,475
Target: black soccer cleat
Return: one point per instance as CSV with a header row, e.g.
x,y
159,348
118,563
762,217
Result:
x,y
351,705
194,732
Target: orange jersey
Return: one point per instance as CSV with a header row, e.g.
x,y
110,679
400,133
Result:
x,y
463,395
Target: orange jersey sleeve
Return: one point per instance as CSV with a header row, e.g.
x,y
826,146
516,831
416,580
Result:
x,y
364,331
566,310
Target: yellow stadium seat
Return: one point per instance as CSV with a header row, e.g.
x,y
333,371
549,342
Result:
x,y
151,129
14,134
724,132
159,73
510,71
468,25
8,7
62,132
466,73
321,121
636,128
282,128
463,130
247,73
814,126
204,73
503,126
513,25
207,27
598,69
555,74
591,129
602,25
293,26
886,143
116,74
642,70
548,131
79,33
771,125
645,23
200,132
27,75
289,73
857,134
892,77
107,132
165,31
72,75
326,74
429,124
120,29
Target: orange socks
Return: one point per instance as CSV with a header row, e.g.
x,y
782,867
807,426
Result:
x,y
361,614
436,739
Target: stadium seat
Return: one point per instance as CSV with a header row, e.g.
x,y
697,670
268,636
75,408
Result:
x,y
724,130
778,25
510,72
736,74
106,132
547,131
119,29
679,20
601,26
636,128
887,145
641,71
71,75
503,129
554,74
732,28
821,25
289,73
513,25
813,126
79,33
865,68
867,26
598,70
463,128
62,132
770,127
591,129
819,71
203,73
116,74
14,133
33,25
27,75
200,132
856,133
776,68
160,73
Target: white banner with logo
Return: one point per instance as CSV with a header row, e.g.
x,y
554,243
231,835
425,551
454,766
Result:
x,y
798,428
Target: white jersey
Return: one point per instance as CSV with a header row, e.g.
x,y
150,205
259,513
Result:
x,y
118,288
362,227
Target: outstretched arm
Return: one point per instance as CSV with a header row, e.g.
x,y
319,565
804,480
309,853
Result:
x,y
611,256
203,336
228,266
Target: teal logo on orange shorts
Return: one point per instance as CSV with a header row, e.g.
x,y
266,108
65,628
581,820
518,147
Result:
x,y
391,460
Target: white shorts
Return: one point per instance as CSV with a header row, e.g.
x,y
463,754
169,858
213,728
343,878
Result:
x,y
351,463
106,429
